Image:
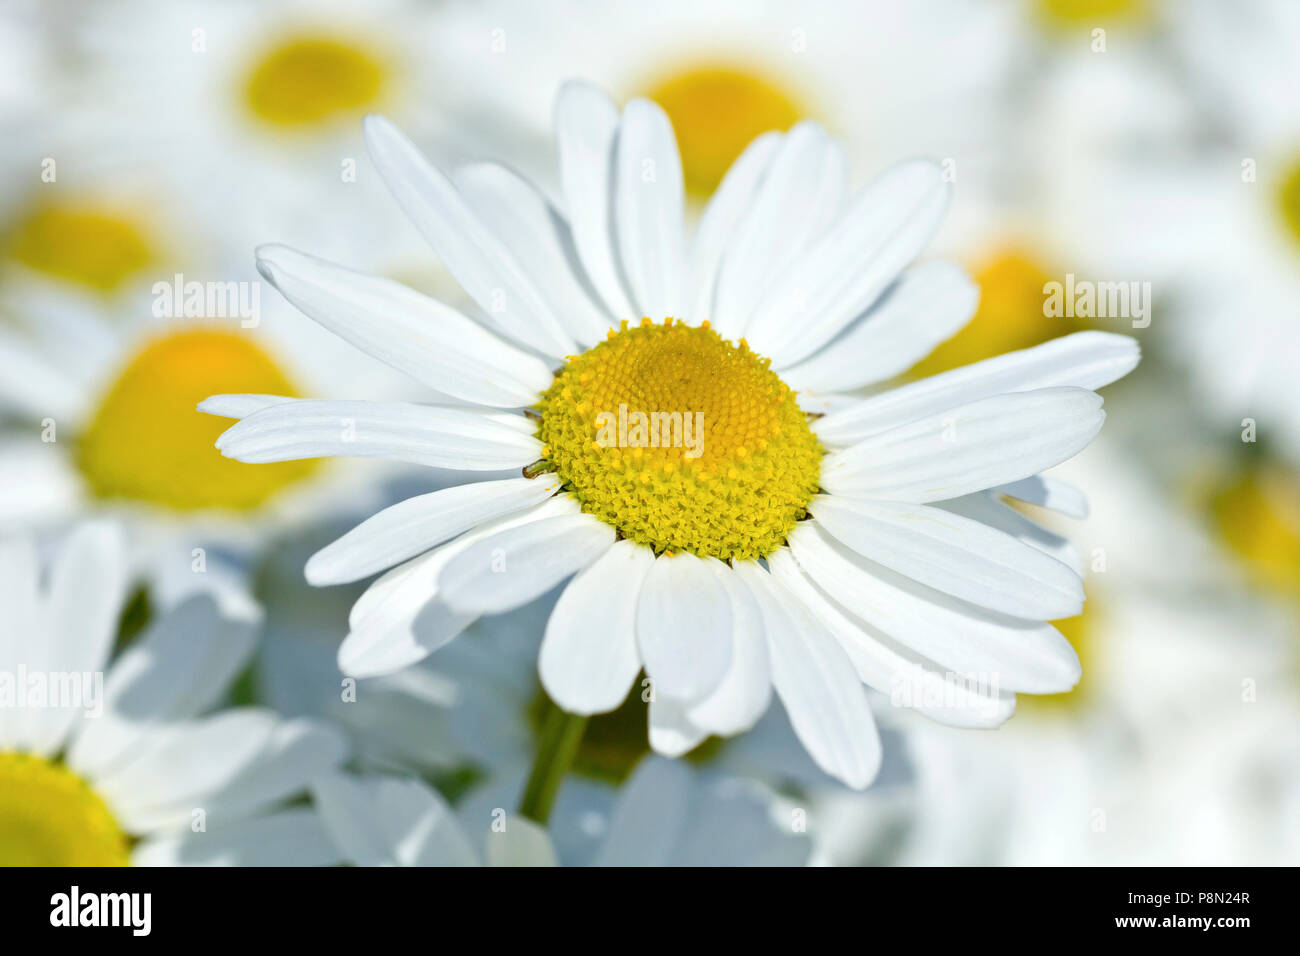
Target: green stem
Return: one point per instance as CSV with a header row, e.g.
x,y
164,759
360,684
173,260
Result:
x,y
561,734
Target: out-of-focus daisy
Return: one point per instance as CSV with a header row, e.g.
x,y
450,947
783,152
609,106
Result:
x,y
818,533
132,766
666,815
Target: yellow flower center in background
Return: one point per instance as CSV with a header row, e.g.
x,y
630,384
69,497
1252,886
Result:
x,y
736,463
1083,633
1289,201
93,246
49,817
1010,315
314,79
716,112
147,442
1257,515
1093,13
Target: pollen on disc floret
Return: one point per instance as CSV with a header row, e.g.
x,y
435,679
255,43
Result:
x,y
723,463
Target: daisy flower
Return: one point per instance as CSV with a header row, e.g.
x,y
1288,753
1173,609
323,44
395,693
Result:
x,y
136,768
783,551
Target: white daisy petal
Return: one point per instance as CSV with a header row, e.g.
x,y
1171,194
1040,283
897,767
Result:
x,y
649,816
840,275
721,217
477,258
294,837
778,223
19,596
183,765
955,555
987,508
86,591
521,843
298,752
32,386
239,406
1046,492
388,625
910,680
433,343
391,822
180,666
746,690
1082,360
817,684
1024,656
672,732
540,240
508,569
928,304
684,627
437,436
586,129
649,202
417,524
968,448
589,655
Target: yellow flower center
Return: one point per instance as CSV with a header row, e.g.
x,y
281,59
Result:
x,y
1289,201
50,817
1083,632
147,442
314,79
91,245
1010,315
716,112
1257,515
682,441
1101,13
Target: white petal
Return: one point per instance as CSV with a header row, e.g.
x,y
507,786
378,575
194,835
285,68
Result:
x,y
721,217
987,508
433,343
746,690
910,680
85,595
183,765
1082,360
180,666
648,818
969,448
648,210
683,627
508,569
389,629
672,733
239,406
297,752
540,240
477,258
295,837
589,655
1023,656
817,684
928,304
24,627
1060,496
521,843
431,435
955,555
586,129
840,275
390,822
32,386
780,220
417,524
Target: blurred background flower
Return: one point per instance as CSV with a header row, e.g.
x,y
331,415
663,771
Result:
x,y
1145,153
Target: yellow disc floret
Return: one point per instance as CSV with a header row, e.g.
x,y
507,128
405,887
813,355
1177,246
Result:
x,y
717,111
96,246
1288,196
682,441
314,79
49,817
147,442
